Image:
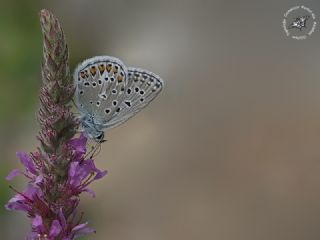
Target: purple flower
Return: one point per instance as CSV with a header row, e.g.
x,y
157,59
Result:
x,y
24,201
78,145
27,162
55,229
30,169
69,231
58,172
13,174
81,174
37,224
82,229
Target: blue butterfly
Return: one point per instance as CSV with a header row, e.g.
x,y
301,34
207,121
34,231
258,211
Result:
x,y
108,93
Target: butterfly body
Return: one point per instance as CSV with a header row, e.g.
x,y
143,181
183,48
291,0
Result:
x,y
108,93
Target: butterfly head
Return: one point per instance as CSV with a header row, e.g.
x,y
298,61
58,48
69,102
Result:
x,y
91,129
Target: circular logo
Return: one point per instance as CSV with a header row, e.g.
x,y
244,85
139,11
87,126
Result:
x,y
299,22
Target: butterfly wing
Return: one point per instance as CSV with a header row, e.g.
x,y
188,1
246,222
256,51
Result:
x,y
100,85
143,86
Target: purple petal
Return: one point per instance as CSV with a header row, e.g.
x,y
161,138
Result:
x,y
84,232
78,172
27,162
17,203
13,174
100,174
74,172
38,179
55,228
79,144
79,227
92,193
38,223
62,218
32,190
92,168
73,169
82,229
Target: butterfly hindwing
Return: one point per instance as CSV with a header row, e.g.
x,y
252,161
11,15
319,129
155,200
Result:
x,y
143,86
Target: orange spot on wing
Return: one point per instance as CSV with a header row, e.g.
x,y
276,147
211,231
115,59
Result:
x,y
108,68
120,78
102,68
93,70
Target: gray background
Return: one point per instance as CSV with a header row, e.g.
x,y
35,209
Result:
x,y
229,150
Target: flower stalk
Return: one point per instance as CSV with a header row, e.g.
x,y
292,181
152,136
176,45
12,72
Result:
x,y
58,171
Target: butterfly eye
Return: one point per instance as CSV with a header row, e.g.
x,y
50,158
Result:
x,y
101,137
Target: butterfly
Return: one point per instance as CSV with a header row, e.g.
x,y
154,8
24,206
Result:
x,y
108,93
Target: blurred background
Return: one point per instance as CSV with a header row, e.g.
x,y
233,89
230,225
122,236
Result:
x,y
231,148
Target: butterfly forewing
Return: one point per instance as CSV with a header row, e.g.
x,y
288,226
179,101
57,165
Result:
x,y
100,86
143,86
